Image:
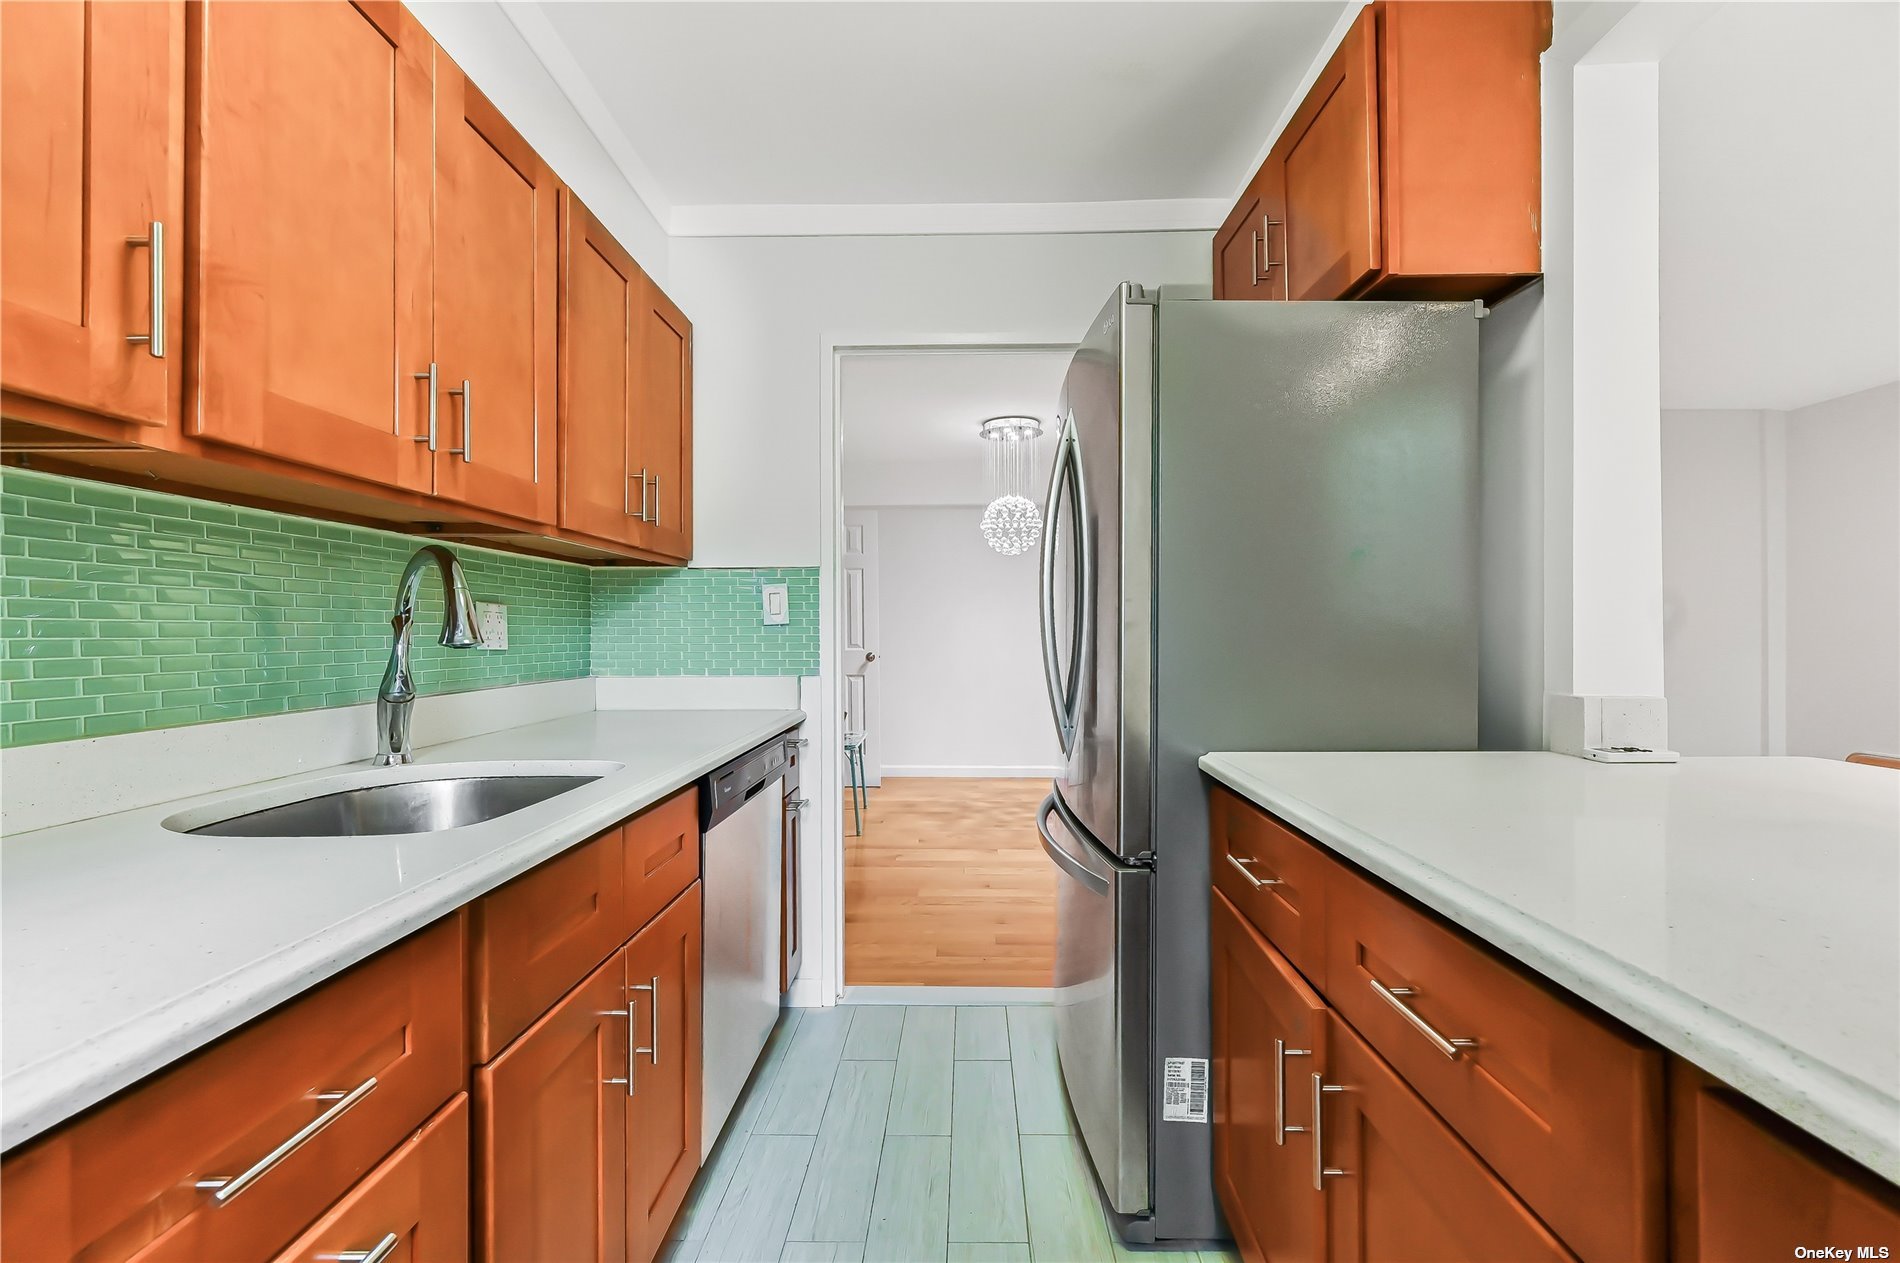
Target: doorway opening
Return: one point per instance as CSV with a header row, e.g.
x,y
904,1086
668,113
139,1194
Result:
x,y
950,746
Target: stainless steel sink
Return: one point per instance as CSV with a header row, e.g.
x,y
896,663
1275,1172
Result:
x,y
420,806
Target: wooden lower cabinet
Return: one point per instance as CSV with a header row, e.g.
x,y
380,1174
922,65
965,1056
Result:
x,y
414,1205
663,1101
587,1127
1748,1187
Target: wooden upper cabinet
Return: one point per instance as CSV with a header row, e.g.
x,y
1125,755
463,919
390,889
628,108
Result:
x,y
1327,162
601,289
1412,169
1269,1040
312,174
663,428
91,167
496,240
664,1101
550,1131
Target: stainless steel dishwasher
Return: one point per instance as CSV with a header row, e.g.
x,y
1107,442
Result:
x,y
742,820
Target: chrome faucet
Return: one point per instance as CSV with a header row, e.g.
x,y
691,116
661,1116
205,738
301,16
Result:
x,y
460,630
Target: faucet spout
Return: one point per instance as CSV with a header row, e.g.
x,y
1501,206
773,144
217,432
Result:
x,y
460,630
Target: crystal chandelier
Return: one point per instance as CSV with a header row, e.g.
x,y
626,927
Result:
x,y
1012,524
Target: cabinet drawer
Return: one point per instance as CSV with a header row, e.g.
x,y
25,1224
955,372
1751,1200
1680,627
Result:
x,y
532,938
418,1196
130,1178
662,856
1564,1105
1273,876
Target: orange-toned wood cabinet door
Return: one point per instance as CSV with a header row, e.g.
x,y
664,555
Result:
x,y
1399,1183
312,171
1327,163
1269,1040
190,1165
602,493
413,1208
1746,1187
550,1131
530,939
663,1099
661,849
1237,250
496,243
92,239
663,426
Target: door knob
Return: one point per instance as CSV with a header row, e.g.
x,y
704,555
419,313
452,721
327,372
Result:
x,y
869,658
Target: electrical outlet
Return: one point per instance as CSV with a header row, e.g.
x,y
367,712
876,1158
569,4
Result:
x,y
493,619
776,601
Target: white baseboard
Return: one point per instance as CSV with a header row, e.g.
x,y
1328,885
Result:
x,y
948,995
696,692
1000,771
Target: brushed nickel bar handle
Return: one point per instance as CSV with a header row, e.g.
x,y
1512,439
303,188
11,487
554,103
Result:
x,y
1264,264
1391,995
1253,259
1258,883
655,519
342,1103
429,377
626,498
797,804
1280,1053
652,988
627,1013
375,1254
155,240
467,393
1320,1169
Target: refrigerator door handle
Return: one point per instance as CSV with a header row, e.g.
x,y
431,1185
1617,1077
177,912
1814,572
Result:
x,y
1065,701
1063,860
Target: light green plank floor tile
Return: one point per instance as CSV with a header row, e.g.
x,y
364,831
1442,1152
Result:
x,y
986,1177
1042,1108
920,1104
756,1213
982,1033
1065,1217
989,1252
875,1031
823,1252
796,1104
835,1203
910,1220
702,1201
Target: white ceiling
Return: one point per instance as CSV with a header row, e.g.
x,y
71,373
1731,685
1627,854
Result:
x,y
807,104
910,421
1780,200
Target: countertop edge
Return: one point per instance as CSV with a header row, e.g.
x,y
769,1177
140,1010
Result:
x,y
39,1097
1839,1110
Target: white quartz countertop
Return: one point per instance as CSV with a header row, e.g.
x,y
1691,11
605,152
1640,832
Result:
x,y
127,945
1744,913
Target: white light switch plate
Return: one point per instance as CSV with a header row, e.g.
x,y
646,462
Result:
x,y
493,617
776,603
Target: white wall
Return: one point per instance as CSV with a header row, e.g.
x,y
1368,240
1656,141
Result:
x,y
1511,532
961,691
492,53
763,307
1781,537
1715,580
1843,557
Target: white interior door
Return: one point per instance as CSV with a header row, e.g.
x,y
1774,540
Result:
x,y
860,635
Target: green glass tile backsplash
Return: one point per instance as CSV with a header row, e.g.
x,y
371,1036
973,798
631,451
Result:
x,y
126,610
702,622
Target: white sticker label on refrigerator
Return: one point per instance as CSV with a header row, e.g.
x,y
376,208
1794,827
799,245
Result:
x,y
1184,1095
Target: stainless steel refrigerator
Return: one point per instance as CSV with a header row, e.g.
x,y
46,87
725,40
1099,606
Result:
x,y
1261,534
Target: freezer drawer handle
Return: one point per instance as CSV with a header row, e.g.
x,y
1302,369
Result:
x,y
1065,861
1391,995
1258,883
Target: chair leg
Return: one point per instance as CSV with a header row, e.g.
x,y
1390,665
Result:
x,y
855,759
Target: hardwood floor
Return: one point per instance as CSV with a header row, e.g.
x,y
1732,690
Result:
x,y
949,886
888,1134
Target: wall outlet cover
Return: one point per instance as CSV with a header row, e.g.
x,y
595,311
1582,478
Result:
x,y
775,603
493,618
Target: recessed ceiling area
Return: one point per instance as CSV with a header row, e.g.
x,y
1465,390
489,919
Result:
x,y
944,103
910,420
1780,190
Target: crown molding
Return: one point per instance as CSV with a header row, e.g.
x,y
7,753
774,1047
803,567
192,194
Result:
x,y
555,56
947,219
